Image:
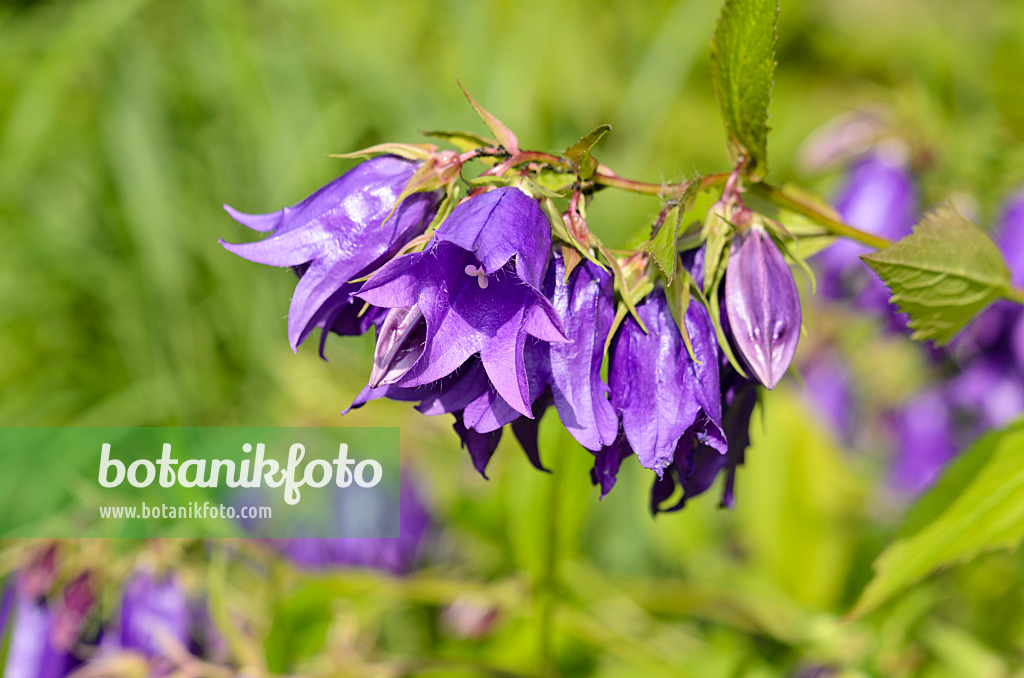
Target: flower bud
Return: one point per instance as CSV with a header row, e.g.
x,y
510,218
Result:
x,y
762,305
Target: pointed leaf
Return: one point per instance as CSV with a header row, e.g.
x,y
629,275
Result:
x,y
579,153
742,68
978,506
662,244
503,134
942,274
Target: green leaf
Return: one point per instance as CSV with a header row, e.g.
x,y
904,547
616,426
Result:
x,y
662,244
742,68
978,506
503,134
579,153
942,274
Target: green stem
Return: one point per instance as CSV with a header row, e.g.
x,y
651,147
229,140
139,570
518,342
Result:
x,y
605,177
546,587
1016,295
780,199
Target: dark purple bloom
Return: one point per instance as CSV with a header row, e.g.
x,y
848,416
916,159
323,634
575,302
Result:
x,y
478,287
336,235
879,197
154,613
762,305
665,398
925,435
397,555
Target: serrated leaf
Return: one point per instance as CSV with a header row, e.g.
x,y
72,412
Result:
x,y
662,244
408,151
942,274
578,153
742,71
503,134
977,507
464,141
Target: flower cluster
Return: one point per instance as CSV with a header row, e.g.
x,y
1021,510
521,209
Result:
x,y
481,315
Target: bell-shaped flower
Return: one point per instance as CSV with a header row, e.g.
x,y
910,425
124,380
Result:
x,y
32,649
478,288
762,305
340,233
925,442
665,398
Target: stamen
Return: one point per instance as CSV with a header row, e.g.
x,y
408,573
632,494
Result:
x,y
481,275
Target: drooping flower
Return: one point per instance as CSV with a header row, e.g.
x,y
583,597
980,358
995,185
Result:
x,y
666,399
762,305
338,234
478,287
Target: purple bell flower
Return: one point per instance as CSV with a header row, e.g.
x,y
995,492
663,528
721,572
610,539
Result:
x,y
925,435
154,612
827,390
336,235
478,287
762,305
665,398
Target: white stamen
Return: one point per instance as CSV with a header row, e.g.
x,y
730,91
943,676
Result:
x,y
481,275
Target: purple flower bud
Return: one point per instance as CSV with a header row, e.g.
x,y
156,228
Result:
x,y
762,305
662,394
336,235
924,434
478,285
1011,237
154,615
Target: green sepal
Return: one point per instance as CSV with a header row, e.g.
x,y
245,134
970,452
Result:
x,y
464,141
578,154
407,151
506,139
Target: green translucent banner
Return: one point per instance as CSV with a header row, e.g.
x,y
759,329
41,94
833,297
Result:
x,y
199,482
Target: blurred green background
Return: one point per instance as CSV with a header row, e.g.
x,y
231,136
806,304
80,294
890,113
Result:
x,y
124,125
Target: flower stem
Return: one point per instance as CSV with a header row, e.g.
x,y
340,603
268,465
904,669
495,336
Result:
x,y
781,199
1015,294
605,177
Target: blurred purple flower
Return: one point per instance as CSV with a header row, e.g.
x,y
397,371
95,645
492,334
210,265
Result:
x,y
827,390
397,555
762,305
925,442
477,287
878,197
1011,237
991,389
336,235
32,650
154,613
